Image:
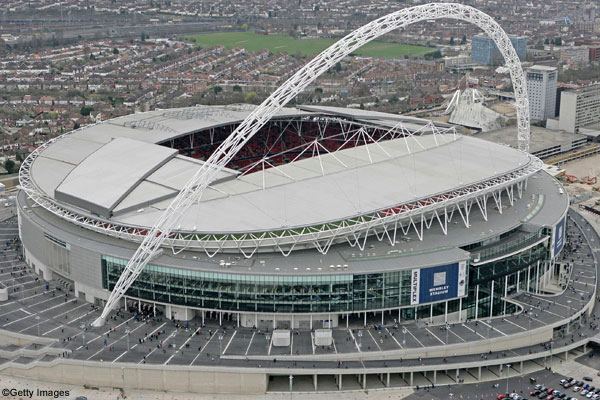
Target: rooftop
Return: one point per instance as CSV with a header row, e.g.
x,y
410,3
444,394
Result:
x,y
542,205
115,170
540,139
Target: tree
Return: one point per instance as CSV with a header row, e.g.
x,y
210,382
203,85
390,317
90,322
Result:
x,y
451,40
557,41
10,166
250,97
217,89
433,55
464,39
337,67
237,88
86,110
115,51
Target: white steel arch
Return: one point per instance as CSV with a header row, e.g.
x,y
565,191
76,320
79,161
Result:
x,y
151,245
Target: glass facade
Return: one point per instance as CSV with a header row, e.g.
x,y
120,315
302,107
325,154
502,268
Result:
x,y
264,293
497,269
501,278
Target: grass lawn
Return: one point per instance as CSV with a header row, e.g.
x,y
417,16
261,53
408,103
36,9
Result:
x,y
307,47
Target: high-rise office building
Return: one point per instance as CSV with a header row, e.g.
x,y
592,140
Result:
x,y
541,88
484,50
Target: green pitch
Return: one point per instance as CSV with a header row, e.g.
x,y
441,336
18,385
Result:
x,y
307,47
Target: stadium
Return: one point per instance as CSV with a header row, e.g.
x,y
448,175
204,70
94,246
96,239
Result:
x,y
331,248
325,216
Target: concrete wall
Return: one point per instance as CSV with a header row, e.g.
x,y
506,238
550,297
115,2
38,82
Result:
x,y
146,377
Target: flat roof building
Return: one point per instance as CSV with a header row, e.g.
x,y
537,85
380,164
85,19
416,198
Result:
x,y
579,108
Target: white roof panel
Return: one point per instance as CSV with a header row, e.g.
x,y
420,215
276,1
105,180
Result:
x,y
179,170
73,151
314,198
106,176
48,173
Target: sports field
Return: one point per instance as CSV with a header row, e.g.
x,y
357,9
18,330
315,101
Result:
x,y
307,47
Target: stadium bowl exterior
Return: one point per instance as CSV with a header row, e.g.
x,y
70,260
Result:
x,y
453,253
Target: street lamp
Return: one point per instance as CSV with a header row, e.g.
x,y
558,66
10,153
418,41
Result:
x,y
127,332
507,374
37,318
82,326
360,339
404,337
447,329
220,342
291,384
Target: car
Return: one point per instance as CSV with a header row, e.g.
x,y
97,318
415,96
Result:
x,y
589,395
587,378
583,392
563,381
538,386
577,388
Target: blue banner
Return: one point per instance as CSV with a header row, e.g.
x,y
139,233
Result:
x,y
440,283
559,236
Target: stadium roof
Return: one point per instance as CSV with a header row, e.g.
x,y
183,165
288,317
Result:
x,y
116,170
298,194
544,208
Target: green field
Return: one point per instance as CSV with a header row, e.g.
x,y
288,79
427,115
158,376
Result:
x,y
307,47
